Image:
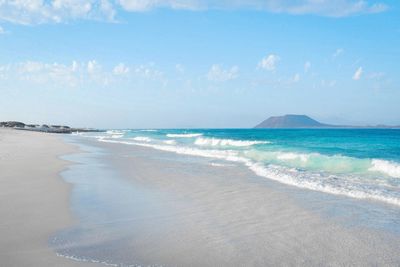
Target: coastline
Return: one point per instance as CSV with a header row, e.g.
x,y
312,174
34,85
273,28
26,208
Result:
x,y
175,210
34,197
95,203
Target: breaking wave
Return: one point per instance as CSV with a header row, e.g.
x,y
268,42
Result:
x,y
387,167
201,141
189,135
170,142
115,133
337,184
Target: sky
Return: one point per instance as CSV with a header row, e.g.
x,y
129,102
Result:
x,y
199,64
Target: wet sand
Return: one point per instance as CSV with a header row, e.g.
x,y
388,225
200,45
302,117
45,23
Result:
x,y
34,200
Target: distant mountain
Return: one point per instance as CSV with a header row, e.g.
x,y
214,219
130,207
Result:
x,y
303,121
292,121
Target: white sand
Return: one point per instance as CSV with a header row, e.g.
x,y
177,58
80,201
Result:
x,y
33,198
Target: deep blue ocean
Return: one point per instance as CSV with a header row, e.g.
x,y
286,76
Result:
x,y
357,163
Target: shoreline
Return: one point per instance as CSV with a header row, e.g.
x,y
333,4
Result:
x,y
172,209
35,197
93,203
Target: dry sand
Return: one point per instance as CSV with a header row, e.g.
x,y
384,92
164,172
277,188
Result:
x,y
34,200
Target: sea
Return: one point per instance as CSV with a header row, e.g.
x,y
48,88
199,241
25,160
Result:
x,y
356,163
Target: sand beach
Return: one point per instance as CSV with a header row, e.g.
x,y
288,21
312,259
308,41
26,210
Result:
x,y
72,201
34,198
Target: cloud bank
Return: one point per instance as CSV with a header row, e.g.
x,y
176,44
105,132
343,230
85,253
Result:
x,y
77,73
30,12
330,8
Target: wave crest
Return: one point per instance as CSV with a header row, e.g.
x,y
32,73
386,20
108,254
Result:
x,y
292,156
387,167
330,184
226,142
340,184
189,135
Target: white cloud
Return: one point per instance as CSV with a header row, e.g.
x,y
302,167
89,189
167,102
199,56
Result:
x,y
307,66
137,5
2,31
269,62
338,52
56,74
58,11
218,74
93,67
78,73
40,72
120,69
75,66
144,5
148,71
31,67
329,8
54,11
107,10
337,8
357,74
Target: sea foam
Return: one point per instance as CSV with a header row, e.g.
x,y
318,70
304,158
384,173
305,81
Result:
x,y
188,135
331,184
292,156
115,133
201,141
142,139
170,142
317,183
387,167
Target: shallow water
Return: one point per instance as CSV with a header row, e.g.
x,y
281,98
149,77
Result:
x,y
108,209
179,210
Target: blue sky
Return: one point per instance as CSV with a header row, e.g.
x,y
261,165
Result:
x,y
154,63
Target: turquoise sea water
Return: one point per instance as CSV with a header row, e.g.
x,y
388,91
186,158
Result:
x,y
357,163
